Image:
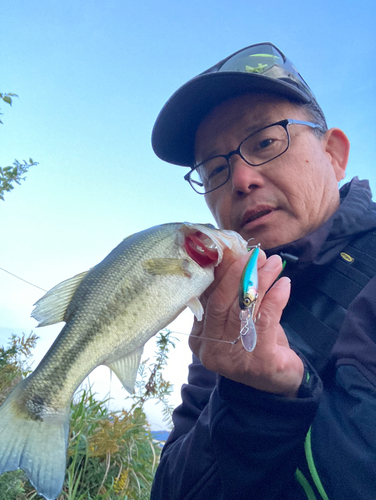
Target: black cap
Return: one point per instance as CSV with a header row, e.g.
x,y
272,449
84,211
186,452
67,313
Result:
x,y
257,68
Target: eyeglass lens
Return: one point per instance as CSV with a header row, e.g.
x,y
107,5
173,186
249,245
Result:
x,y
259,148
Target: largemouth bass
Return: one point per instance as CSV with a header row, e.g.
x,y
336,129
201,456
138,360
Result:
x,y
110,312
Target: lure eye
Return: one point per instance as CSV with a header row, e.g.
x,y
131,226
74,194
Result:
x,y
247,301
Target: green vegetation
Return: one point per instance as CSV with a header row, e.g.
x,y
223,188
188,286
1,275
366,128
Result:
x,y
111,455
12,174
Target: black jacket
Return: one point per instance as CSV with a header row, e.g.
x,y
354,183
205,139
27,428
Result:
x,y
233,442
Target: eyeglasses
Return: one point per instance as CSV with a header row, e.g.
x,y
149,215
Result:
x,y
257,149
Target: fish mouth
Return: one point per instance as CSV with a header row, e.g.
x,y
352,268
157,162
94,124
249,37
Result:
x,y
201,249
205,244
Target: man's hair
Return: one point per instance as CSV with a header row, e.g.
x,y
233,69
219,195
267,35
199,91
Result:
x,y
316,115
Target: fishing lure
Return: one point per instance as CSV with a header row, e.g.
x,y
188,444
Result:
x,y
248,293
248,287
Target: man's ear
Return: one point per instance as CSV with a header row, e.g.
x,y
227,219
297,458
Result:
x,y
337,147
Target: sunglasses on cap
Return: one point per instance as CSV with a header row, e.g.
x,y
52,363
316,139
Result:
x,y
263,59
259,68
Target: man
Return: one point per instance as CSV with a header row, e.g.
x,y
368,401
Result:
x,y
294,418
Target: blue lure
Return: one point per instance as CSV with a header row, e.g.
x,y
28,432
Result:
x,y
248,287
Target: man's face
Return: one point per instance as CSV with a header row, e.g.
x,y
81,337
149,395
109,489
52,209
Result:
x,y
280,201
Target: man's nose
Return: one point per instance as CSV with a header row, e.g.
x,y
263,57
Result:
x,y
244,177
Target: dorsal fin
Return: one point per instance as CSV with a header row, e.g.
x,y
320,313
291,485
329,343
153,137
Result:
x,y
50,309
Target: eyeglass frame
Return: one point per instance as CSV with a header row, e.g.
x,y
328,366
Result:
x,y
283,123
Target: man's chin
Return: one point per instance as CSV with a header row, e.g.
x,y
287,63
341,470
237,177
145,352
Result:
x,y
267,238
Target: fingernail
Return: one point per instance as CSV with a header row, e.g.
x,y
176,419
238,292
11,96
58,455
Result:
x,y
273,262
283,282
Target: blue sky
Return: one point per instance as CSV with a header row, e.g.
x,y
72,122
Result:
x,y
91,78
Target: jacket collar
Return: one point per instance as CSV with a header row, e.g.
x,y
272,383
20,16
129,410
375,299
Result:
x,y
355,215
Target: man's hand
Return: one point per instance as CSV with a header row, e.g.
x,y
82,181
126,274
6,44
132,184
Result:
x,y
272,366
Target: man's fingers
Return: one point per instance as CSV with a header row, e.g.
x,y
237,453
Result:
x,y
269,314
267,274
227,285
280,292
228,260
221,303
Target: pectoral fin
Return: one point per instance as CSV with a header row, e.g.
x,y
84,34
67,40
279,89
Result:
x,y
50,309
196,307
162,267
126,369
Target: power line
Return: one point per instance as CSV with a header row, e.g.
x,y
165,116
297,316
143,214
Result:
x,y
28,282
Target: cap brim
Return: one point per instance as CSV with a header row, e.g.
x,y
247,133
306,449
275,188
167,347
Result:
x,y
174,131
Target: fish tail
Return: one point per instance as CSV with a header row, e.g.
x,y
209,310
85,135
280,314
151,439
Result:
x,y
36,445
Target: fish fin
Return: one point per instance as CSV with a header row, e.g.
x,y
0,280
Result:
x,y
129,236
126,369
50,309
161,267
38,446
196,307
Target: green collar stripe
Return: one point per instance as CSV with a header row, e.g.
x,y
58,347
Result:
x,y
305,485
312,467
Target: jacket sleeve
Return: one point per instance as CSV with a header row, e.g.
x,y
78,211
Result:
x,y
232,441
341,449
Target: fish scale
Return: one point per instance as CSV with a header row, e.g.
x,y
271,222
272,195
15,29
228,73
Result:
x,y
110,313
